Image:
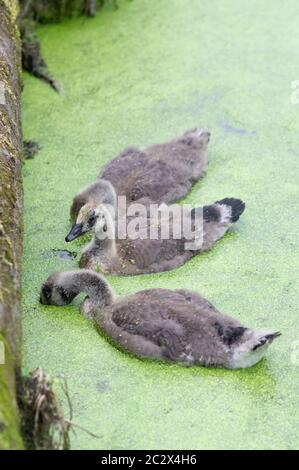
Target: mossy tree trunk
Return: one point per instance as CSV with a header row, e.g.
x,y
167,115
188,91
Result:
x,y
11,226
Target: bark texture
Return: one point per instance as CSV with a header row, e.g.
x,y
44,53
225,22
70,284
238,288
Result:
x,y
11,225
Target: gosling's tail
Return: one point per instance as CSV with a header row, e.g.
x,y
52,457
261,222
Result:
x,y
253,349
236,207
217,219
227,210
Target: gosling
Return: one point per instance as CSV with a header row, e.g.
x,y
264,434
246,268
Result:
x,y
162,173
146,255
179,325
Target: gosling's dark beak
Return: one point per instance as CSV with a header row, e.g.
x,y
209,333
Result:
x,y
76,231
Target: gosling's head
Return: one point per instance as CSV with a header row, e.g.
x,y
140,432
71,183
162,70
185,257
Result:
x,y
57,291
91,217
196,138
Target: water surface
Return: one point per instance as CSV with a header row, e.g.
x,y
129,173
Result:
x,y
141,75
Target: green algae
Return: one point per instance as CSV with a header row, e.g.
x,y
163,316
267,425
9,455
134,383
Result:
x,y
141,75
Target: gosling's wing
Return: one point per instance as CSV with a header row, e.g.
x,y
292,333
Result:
x,y
186,331
176,327
182,162
123,170
155,255
174,167
161,173
122,331
145,179
151,319
225,327
156,248
197,299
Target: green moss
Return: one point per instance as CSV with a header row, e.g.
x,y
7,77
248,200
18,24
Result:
x,y
142,75
9,19
9,431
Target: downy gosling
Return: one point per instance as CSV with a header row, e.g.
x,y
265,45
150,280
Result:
x,y
159,174
178,325
145,255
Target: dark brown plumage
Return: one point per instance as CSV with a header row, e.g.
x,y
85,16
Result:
x,y
161,173
178,326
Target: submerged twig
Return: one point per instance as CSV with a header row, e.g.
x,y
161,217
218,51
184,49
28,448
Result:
x,y
43,422
71,423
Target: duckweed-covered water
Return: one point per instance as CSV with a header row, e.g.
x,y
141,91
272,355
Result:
x,y
141,75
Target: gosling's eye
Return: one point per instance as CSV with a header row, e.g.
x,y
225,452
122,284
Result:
x,y
92,219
